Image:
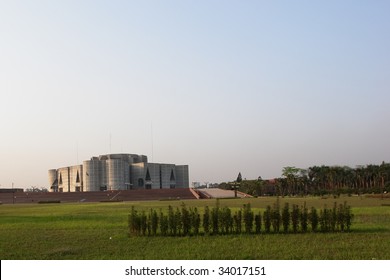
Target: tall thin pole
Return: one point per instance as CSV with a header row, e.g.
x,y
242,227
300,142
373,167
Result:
x,y
77,152
151,135
110,142
13,194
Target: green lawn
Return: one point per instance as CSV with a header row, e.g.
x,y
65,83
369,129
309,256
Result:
x,y
99,231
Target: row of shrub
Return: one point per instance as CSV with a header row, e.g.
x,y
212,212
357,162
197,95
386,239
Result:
x,y
184,221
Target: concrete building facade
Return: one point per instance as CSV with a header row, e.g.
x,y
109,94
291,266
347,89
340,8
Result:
x,y
66,179
118,172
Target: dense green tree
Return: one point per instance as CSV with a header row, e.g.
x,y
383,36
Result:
x,y
248,217
276,217
215,220
187,221
258,223
195,218
206,220
321,180
164,224
153,217
226,220
313,217
267,219
286,217
237,221
185,218
304,218
295,218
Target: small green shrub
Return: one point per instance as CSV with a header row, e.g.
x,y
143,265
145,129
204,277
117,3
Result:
x,y
258,223
248,218
304,217
267,219
295,218
185,221
286,218
313,219
206,220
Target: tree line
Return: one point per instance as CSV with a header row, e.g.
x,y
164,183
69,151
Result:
x,y
184,221
321,180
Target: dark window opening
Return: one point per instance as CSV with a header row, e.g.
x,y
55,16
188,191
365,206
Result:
x,y
172,176
147,177
160,178
140,182
77,177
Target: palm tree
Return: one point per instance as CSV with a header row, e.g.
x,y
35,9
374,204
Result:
x,y
291,175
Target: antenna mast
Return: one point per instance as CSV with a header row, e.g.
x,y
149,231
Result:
x,y
151,136
110,142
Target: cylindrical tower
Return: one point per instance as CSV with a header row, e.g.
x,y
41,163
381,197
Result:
x,y
91,170
118,174
53,183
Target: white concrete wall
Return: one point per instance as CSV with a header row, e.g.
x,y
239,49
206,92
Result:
x,y
182,176
118,172
67,178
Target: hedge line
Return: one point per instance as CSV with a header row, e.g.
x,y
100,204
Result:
x,y
218,220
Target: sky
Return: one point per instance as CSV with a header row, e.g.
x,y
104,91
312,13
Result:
x,y
223,86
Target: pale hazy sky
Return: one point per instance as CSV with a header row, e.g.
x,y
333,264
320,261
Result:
x,y
227,86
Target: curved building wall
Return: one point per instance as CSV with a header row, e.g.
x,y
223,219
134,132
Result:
x,y
52,176
118,174
75,178
103,174
114,172
91,172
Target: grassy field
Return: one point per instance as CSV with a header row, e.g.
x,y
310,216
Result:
x,y
99,231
